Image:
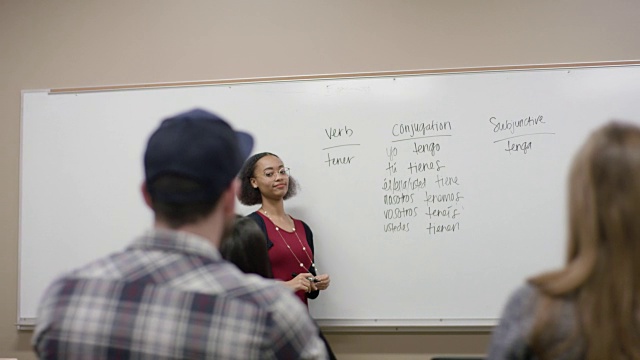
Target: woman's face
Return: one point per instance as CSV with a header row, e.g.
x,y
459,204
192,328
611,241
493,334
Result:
x,y
271,177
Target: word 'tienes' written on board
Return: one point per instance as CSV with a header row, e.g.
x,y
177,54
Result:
x,y
418,184
518,132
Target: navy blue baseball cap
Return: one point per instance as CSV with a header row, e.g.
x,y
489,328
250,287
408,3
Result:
x,y
197,145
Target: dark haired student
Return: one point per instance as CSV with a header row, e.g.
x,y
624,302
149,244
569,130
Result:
x,y
169,294
246,248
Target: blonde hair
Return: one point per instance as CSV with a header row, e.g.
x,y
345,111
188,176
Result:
x,y
602,273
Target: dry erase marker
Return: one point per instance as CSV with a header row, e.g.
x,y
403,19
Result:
x,y
310,278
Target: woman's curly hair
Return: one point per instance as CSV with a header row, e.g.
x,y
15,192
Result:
x,y
250,195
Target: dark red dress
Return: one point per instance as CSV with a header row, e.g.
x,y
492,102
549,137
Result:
x,y
288,260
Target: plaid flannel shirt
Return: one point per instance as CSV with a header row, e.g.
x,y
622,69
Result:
x,y
170,295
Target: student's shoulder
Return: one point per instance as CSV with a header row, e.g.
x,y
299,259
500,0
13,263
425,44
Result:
x,y
525,293
522,301
256,289
509,339
255,216
228,281
286,319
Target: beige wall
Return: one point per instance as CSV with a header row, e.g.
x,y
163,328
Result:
x,y
50,44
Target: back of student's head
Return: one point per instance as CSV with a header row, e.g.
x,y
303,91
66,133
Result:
x,y
191,159
178,214
247,248
604,201
602,274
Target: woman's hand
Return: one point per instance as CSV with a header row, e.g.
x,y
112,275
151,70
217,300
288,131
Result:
x,y
323,282
301,282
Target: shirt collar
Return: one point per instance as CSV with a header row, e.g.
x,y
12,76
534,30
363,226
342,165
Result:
x,y
176,241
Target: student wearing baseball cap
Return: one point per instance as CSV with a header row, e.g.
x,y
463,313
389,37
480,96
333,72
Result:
x,y
169,294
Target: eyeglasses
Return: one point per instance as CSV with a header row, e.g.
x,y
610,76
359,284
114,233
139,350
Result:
x,y
282,172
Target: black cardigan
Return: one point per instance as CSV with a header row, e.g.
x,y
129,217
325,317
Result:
x,y
307,231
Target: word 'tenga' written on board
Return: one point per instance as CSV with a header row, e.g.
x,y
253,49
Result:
x,y
518,135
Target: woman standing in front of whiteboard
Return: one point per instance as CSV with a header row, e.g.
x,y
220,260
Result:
x,y
266,181
590,309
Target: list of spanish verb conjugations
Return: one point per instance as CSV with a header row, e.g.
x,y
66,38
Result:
x,y
421,192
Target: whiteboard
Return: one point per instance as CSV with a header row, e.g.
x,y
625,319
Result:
x,y
431,197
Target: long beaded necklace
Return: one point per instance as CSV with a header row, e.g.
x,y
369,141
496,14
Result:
x,y
304,248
